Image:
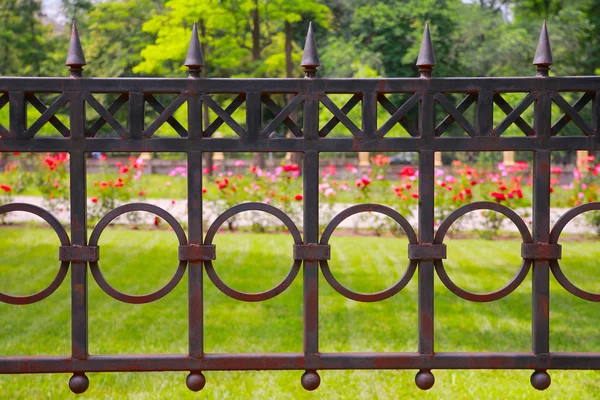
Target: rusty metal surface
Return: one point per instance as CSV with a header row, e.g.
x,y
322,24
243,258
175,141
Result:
x,y
310,253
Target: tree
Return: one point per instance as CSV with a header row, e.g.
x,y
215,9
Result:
x,y
22,38
114,37
240,37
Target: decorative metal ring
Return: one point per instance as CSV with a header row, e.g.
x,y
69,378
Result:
x,y
277,289
554,265
396,287
514,282
64,265
95,268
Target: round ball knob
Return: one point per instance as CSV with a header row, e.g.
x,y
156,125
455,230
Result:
x,y
540,380
424,379
310,380
79,383
195,381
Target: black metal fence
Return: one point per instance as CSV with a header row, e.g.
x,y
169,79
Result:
x,y
540,248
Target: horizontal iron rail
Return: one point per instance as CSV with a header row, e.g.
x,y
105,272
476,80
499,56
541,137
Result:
x,y
291,85
477,143
297,361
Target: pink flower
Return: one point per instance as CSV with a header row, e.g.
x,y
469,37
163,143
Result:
x,y
329,192
238,163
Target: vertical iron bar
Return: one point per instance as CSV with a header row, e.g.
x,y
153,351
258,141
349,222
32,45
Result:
x,y
194,113
369,113
541,225
77,173
195,293
485,114
18,114
426,224
596,113
195,268
136,115
253,114
311,232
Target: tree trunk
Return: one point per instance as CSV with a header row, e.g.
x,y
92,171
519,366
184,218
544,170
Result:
x,y
207,157
289,73
258,159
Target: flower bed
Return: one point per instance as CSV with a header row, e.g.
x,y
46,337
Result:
x,y
282,187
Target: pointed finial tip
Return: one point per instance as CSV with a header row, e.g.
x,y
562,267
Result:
x,y
75,57
426,59
543,51
310,56
194,58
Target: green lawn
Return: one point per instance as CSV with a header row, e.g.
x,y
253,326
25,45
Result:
x,y
255,262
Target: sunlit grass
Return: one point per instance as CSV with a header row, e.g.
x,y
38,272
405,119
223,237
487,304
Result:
x,y
142,261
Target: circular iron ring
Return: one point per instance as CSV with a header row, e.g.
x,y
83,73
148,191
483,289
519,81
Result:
x,y
514,282
95,268
64,265
555,267
277,289
396,287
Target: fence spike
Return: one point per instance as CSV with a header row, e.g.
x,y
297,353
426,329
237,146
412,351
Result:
x,y
310,56
75,58
426,58
543,53
194,59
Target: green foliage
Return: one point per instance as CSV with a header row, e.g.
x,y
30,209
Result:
x,y
239,37
115,38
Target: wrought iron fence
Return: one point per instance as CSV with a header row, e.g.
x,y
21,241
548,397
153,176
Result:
x,y
540,252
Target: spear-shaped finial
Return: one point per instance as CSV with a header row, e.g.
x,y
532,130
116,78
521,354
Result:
x,y
426,58
310,56
543,53
75,58
194,59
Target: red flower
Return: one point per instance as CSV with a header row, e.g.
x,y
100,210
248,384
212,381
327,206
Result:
x,y
503,188
498,196
298,197
124,170
156,221
16,153
415,195
141,193
102,157
407,171
204,190
6,188
94,199
473,183
173,202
